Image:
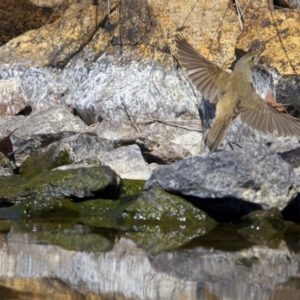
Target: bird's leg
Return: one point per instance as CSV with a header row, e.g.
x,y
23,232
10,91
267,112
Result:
x,y
270,99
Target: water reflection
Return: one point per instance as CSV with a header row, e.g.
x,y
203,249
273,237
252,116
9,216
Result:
x,y
73,261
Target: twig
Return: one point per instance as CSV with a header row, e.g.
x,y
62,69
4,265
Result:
x,y
151,120
133,123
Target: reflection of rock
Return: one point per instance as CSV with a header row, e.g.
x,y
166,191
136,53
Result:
x,y
247,274
126,270
263,227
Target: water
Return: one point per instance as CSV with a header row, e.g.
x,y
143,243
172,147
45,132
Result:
x,y
61,259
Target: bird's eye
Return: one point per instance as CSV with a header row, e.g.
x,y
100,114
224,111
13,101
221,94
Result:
x,y
252,57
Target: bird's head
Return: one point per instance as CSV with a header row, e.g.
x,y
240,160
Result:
x,y
247,62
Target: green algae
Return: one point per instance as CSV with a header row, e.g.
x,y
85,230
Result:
x,y
133,187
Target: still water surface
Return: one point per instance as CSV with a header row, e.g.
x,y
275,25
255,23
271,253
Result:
x,y
61,260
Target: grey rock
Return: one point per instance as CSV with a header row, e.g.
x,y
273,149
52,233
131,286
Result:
x,y
52,120
168,153
155,148
82,147
127,162
255,175
24,147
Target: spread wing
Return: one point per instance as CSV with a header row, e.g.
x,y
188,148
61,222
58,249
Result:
x,y
261,116
205,75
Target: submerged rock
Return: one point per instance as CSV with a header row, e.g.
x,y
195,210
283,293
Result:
x,y
233,181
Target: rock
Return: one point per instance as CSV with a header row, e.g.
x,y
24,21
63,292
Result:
x,y
155,148
13,98
126,90
75,182
157,205
6,168
23,148
19,16
135,22
215,40
237,181
50,121
128,162
77,27
292,157
276,27
168,153
75,148
147,219
43,87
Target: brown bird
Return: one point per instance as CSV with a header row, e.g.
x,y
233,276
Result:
x,y
233,95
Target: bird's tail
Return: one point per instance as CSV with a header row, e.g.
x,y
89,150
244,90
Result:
x,y
217,134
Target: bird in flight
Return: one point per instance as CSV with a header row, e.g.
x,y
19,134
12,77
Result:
x,y
234,95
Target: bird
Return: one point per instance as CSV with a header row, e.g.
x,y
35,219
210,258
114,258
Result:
x,y
234,94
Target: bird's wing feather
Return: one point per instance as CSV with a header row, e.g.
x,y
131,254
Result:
x,y
261,116
205,75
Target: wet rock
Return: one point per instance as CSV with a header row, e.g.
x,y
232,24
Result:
x,y
263,227
128,162
133,187
75,182
157,205
237,181
13,98
147,219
